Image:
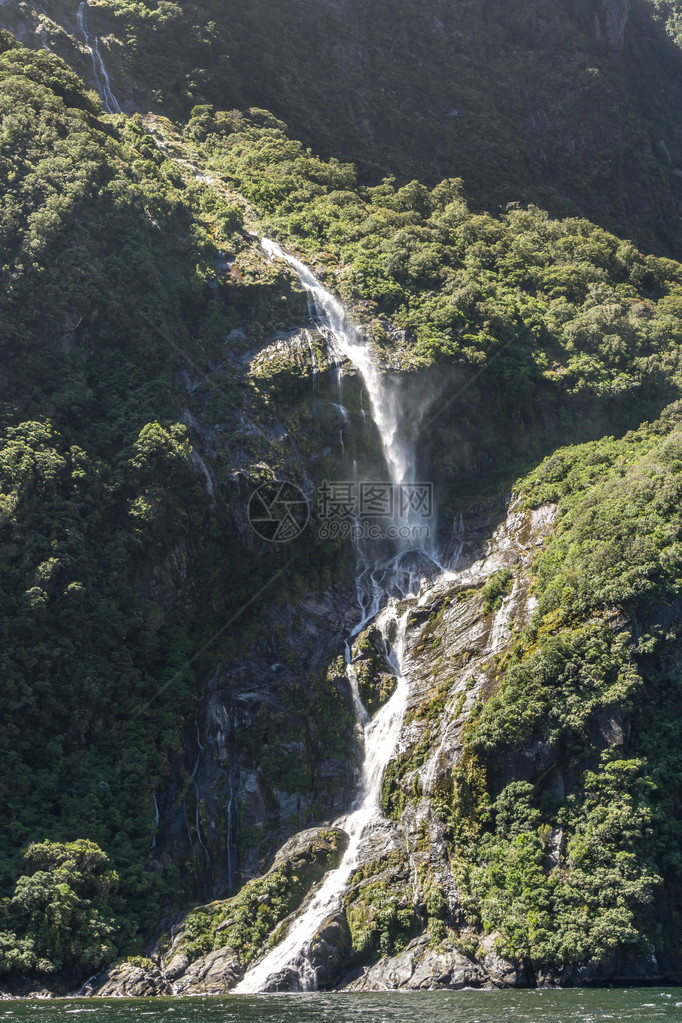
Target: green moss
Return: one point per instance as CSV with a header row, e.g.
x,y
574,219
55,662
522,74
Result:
x,y
380,911
497,587
245,923
142,962
393,795
433,706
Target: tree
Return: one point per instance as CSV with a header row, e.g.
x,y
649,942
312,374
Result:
x,y
60,914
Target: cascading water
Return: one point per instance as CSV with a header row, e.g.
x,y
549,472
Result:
x,y
377,585
398,452
380,739
102,80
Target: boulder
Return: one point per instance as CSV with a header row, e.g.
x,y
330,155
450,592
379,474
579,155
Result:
x,y
422,968
130,980
213,974
329,951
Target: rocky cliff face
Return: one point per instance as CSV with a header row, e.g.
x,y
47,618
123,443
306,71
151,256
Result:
x,y
404,920
453,640
260,761
611,21
249,803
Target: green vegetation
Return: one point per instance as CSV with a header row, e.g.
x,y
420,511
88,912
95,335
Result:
x,y
133,299
496,589
525,101
60,915
117,567
379,909
376,682
243,924
556,326
568,861
278,744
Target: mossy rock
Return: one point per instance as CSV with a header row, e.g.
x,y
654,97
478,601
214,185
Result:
x,y
245,922
380,908
376,680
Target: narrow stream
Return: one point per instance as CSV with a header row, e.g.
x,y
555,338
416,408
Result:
x,y
102,80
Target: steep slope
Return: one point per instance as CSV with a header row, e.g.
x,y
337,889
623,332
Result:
x,y
185,675
132,438
574,106
530,827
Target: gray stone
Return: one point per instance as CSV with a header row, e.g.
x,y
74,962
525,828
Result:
x,y
422,968
129,981
329,950
214,974
611,20
176,966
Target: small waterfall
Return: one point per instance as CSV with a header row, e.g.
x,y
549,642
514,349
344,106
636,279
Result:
x,y
156,822
102,80
313,359
197,821
398,452
380,586
231,822
344,419
381,735
499,632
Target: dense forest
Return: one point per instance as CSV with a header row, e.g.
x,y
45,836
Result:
x,y
497,202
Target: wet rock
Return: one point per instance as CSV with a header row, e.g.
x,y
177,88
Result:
x,y
611,20
289,979
214,974
422,968
241,699
329,951
626,967
299,865
609,727
322,965
177,965
450,645
321,846
530,764
375,675
501,972
129,980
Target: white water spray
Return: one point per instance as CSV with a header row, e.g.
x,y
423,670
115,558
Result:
x,y
102,80
313,359
380,739
398,452
374,585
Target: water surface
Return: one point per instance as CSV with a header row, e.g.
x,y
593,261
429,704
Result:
x,y
638,1005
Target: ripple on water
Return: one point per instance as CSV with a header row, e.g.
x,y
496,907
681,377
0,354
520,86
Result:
x,y
593,1006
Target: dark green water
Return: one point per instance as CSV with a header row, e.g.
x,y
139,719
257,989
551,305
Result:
x,y
633,1006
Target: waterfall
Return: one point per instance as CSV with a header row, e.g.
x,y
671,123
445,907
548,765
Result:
x,y
379,589
156,821
499,632
344,419
381,735
398,452
102,80
231,821
313,360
